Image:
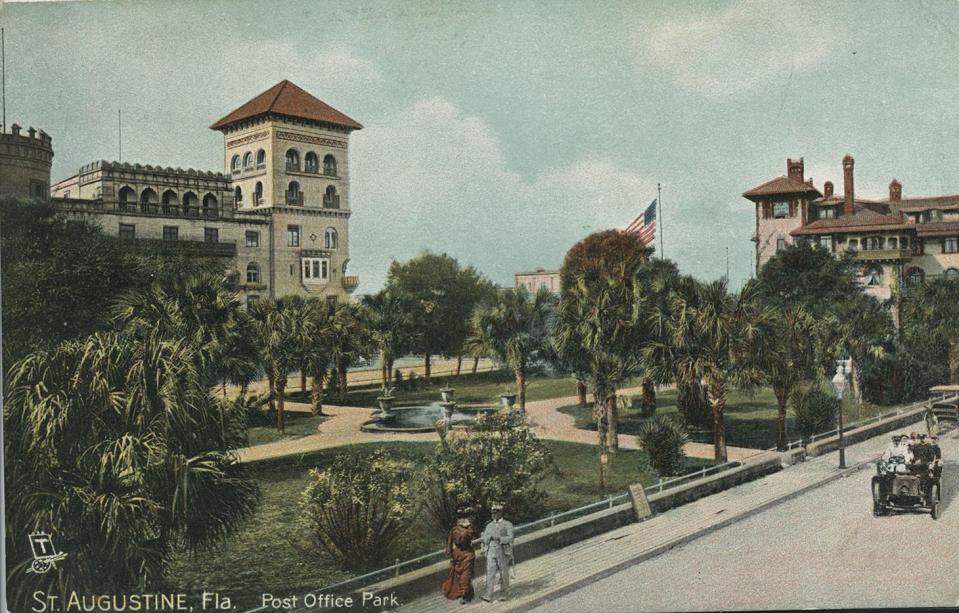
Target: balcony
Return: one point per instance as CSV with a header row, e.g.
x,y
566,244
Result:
x,y
294,199
331,202
127,207
211,213
223,249
871,255
350,282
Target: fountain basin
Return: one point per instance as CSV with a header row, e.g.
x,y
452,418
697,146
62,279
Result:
x,y
422,418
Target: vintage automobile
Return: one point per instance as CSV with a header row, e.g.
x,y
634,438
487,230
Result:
x,y
898,486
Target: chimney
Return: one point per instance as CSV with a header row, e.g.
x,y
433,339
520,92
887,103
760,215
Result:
x,y
895,191
850,196
794,168
827,190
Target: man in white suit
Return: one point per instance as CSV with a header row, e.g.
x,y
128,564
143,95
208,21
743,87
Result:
x,y
498,541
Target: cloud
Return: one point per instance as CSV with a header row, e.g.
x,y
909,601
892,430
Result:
x,y
430,176
742,48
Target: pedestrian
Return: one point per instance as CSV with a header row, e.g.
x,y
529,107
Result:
x,y
459,548
498,542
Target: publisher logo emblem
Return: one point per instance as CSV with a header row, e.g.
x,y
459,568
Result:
x,y
45,555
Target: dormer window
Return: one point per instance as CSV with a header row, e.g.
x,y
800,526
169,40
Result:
x,y
827,212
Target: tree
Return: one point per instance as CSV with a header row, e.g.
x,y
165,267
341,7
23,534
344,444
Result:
x,y
358,508
596,317
514,329
815,408
391,327
440,297
350,339
278,334
931,312
499,459
664,440
317,335
115,442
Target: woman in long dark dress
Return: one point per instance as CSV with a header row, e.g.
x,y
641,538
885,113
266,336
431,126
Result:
x,y
459,547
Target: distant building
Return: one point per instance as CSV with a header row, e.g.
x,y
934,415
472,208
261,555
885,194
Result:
x,y
25,161
533,281
896,242
279,212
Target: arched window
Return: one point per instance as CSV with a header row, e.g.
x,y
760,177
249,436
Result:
x,y
235,164
127,198
191,204
330,239
260,158
914,277
237,195
893,242
210,207
873,276
252,273
329,165
330,199
170,201
149,202
258,194
292,160
873,243
310,163
293,194
951,273
248,161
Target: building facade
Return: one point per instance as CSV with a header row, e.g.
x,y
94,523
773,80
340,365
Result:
x,y
896,242
279,213
539,278
25,161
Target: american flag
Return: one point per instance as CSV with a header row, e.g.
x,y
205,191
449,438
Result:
x,y
644,225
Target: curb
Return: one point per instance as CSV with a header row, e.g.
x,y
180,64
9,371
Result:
x,y
646,555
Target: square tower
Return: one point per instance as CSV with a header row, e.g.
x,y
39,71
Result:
x,y
287,153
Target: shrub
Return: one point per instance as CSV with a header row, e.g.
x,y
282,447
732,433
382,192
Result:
x,y
357,508
498,460
815,410
663,440
398,379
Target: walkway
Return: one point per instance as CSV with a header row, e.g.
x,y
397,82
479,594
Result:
x,y
343,428
550,576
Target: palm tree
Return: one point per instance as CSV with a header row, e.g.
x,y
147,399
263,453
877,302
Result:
x,y
351,339
391,327
317,336
279,332
120,444
708,333
514,329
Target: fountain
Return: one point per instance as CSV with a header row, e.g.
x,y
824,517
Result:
x,y
423,418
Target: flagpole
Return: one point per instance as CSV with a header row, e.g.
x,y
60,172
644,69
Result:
x,y
659,205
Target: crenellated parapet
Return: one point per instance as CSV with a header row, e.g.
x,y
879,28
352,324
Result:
x,y
25,160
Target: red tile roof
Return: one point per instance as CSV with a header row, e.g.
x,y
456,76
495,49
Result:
x,y
923,204
863,220
288,100
780,185
937,228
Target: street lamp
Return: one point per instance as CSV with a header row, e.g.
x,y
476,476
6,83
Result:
x,y
839,386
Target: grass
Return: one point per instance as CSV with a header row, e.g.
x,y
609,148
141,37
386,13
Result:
x,y
268,554
297,424
750,419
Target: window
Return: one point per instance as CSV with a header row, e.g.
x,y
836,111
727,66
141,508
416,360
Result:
x,y
170,233
935,215
248,161
892,243
260,158
918,246
252,273
873,243
293,236
127,198
252,238
170,201
38,189
874,276
950,244
780,210
914,277
211,235
329,165
316,270
235,164
827,212
825,242
904,242
330,199
293,194
258,194
128,231
951,273
209,205
237,195
310,162
292,160
853,244
330,239
149,202
780,245
190,202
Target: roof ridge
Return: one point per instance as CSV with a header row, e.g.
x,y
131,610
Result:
x,y
276,96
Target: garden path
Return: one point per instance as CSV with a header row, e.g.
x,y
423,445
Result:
x,y
343,428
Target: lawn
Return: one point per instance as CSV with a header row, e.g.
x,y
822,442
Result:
x,y
297,424
750,419
481,388
268,554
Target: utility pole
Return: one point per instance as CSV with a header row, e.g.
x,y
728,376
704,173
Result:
x,y
119,137
3,62
659,203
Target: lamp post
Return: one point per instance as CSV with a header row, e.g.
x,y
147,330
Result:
x,y
839,386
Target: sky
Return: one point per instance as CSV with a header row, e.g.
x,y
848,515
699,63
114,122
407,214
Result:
x,y
501,133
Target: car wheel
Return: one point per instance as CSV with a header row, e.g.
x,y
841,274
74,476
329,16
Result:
x,y
934,500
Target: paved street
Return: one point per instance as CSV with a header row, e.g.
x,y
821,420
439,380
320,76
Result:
x,y
821,549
